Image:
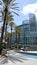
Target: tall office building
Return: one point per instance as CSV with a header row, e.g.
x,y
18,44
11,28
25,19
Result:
x,y
32,21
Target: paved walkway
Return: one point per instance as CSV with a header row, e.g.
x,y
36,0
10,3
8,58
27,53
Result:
x,y
16,59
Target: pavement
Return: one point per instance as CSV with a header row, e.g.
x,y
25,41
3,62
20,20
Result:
x,y
28,52
14,58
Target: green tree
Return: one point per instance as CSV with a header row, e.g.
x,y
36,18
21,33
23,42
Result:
x,y
18,31
11,26
8,36
7,6
9,18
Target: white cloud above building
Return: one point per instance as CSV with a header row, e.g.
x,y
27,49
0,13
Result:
x,y
30,8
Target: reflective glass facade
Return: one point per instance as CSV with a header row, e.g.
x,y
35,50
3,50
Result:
x,y
27,37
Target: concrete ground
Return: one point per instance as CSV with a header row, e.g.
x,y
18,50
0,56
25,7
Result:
x,y
14,58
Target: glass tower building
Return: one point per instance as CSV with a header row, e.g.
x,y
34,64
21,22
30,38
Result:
x,y
28,35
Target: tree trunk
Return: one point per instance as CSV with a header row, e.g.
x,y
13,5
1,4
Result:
x,y
16,37
18,40
11,36
2,33
8,43
6,32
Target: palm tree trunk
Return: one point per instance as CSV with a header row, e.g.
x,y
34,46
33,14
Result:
x,y
6,32
3,29
8,43
18,40
11,36
16,37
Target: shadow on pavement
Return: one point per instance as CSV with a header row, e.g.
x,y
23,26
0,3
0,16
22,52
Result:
x,y
13,59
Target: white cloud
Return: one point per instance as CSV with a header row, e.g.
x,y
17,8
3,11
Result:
x,y
30,8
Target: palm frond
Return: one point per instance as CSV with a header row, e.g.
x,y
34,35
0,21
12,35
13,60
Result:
x,y
18,29
11,24
15,8
14,4
9,18
7,2
15,13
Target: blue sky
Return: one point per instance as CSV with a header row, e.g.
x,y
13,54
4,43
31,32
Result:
x,y
22,4
25,10
25,7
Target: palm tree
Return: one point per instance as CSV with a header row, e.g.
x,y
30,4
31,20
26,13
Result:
x,y
9,18
18,31
11,26
8,5
8,36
